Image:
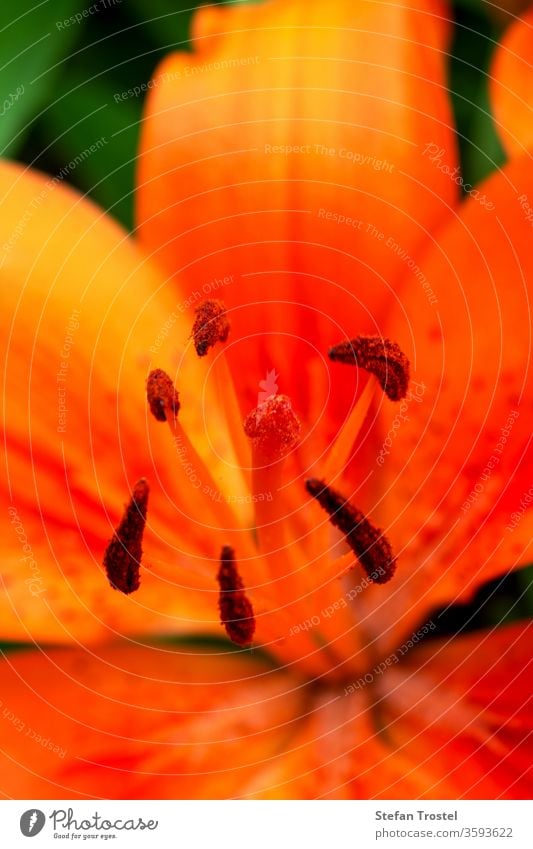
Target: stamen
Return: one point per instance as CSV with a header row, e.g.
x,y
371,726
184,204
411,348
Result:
x,y
368,543
122,559
163,399
340,453
203,490
236,611
381,357
210,326
273,428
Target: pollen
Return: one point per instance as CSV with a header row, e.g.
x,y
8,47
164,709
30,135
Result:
x,y
163,398
236,611
273,427
210,326
122,559
368,543
381,357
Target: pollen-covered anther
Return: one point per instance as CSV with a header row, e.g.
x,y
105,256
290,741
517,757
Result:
x,y
273,427
162,396
368,543
210,326
122,559
236,611
381,357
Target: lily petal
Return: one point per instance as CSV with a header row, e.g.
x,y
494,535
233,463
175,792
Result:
x,y
448,722
462,713
81,311
140,723
149,723
511,84
452,463
273,155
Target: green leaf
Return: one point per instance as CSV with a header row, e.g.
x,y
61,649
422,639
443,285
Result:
x,y
475,37
35,37
94,138
169,27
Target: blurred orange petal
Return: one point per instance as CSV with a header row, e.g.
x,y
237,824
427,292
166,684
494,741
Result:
x,y
171,724
141,722
511,84
452,463
273,156
461,714
81,309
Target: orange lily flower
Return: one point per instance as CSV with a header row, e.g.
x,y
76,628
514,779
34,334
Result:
x,y
299,166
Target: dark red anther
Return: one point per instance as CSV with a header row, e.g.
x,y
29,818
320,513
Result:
x,y
236,611
381,357
210,326
369,544
163,398
122,559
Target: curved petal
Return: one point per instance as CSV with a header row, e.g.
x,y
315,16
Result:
x,y
274,155
460,714
511,84
452,464
149,723
451,722
82,316
140,723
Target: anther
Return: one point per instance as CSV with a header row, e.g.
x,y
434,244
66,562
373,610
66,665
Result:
x,y
163,398
122,559
236,611
210,326
369,544
381,357
273,428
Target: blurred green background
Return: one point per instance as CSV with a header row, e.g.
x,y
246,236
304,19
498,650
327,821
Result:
x,y
71,72
59,77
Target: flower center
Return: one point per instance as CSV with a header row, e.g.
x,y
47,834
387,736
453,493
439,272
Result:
x,y
292,567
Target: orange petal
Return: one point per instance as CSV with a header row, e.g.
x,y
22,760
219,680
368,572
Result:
x,y
140,723
453,722
148,723
511,85
452,465
460,714
81,316
274,156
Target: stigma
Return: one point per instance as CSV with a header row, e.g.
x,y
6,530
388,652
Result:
x,y
273,427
